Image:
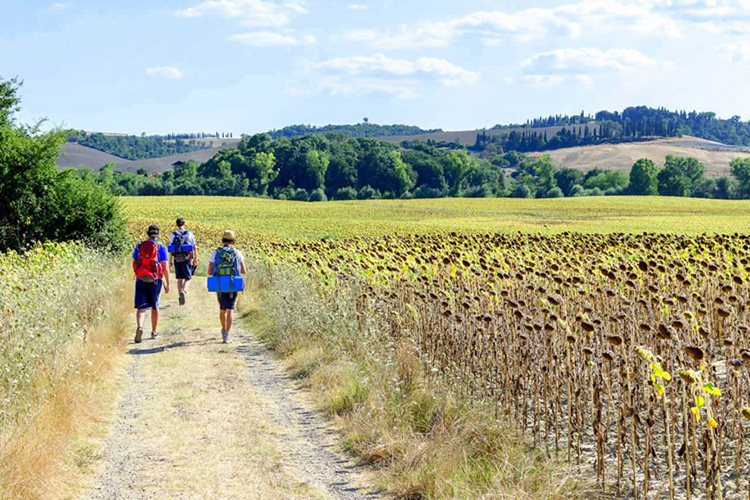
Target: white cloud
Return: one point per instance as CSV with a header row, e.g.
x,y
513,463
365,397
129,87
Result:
x,y
379,65
250,12
567,20
737,53
165,72
268,39
555,66
586,60
359,35
379,74
357,6
60,6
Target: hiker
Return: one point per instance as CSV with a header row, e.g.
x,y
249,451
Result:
x,y
226,261
183,262
151,267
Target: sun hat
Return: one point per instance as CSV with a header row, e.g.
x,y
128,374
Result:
x,y
228,235
153,230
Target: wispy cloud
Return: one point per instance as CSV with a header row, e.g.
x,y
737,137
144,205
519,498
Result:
x,y
583,64
379,65
400,78
170,72
737,53
269,39
357,6
60,6
567,20
249,12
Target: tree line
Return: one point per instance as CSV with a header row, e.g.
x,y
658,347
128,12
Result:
x,y
132,147
356,131
319,168
642,122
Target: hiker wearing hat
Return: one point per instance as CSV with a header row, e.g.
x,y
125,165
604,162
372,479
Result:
x,y
151,266
226,260
184,254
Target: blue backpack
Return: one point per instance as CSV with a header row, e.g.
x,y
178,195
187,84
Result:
x,y
226,263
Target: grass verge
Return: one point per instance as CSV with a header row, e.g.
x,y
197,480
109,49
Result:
x,y
51,453
427,439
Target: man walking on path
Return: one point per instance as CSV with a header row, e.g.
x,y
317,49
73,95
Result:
x,y
184,263
151,266
226,260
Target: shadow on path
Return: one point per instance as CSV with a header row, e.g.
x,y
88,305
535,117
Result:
x,y
138,351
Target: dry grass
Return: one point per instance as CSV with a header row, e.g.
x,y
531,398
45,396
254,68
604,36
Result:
x,y
53,455
427,441
200,429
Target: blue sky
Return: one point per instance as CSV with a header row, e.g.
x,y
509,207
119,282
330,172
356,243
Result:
x,y
251,65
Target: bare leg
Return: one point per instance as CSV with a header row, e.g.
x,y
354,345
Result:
x,y
229,320
180,285
154,320
222,318
139,317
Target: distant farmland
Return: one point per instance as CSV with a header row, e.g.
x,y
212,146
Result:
x,y
715,156
76,156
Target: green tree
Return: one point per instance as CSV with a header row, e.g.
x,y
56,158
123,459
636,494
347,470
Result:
x,y
457,166
643,178
740,168
262,172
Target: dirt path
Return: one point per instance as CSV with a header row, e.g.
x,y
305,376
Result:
x,y
199,419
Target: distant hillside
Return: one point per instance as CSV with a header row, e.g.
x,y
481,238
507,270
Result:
x,y
715,156
360,130
75,155
133,147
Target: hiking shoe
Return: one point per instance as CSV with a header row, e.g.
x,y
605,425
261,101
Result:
x,y
154,335
227,338
182,298
223,336
138,335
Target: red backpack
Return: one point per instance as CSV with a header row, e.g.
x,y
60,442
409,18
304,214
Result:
x,y
146,265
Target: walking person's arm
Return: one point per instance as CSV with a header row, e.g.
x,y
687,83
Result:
x,y
165,270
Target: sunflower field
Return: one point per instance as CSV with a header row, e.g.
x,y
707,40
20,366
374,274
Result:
x,y
627,355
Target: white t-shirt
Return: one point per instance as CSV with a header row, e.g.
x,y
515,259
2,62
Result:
x,y
240,258
190,237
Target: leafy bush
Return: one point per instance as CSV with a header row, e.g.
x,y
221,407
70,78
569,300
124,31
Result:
x,y
425,191
318,195
407,196
482,191
346,193
555,192
300,195
40,203
368,193
520,190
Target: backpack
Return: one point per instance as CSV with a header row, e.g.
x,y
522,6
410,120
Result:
x,y
180,239
226,263
146,265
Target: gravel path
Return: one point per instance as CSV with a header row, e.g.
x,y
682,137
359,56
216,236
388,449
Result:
x,y
197,419
308,435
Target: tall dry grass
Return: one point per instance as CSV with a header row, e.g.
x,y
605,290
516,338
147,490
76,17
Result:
x,y
427,440
63,318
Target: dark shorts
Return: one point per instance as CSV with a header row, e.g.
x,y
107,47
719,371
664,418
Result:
x,y
183,270
147,294
226,300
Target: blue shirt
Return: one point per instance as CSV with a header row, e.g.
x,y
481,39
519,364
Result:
x,y
162,253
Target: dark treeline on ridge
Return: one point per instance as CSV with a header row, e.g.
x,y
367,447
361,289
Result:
x,y
318,168
357,131
632,124
133,147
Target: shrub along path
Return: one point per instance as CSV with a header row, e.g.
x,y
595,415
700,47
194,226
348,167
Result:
x,y
199,419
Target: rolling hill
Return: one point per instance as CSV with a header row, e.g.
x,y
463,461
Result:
x,y
76,156
714,155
